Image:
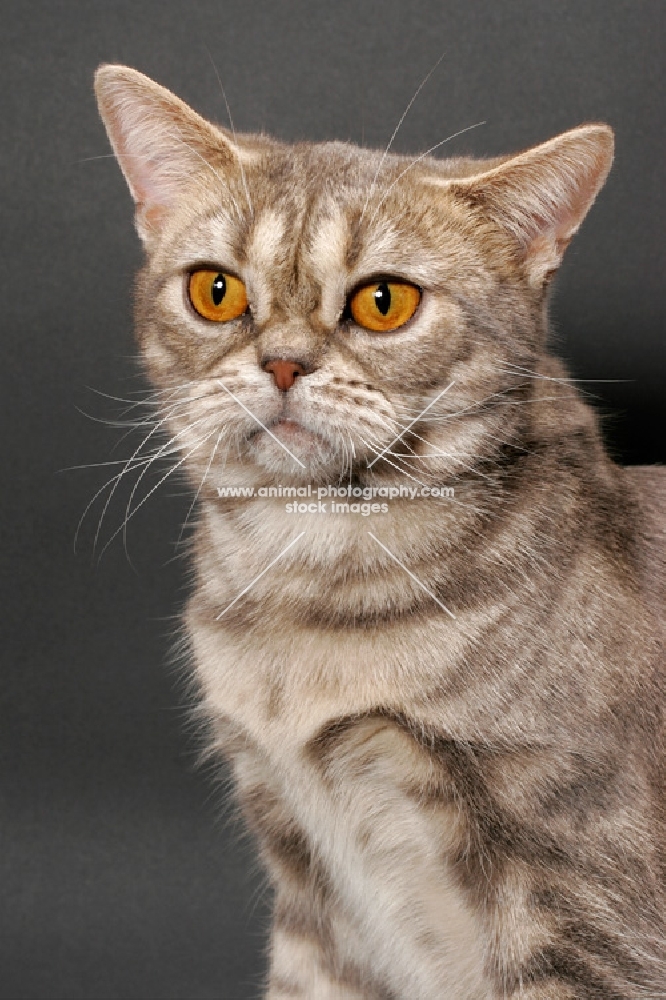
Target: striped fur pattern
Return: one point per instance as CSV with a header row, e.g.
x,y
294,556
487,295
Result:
x,y
446,720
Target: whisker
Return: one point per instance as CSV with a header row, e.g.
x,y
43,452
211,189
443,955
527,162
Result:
x,y
225,187
173,469
413,457
127,466
184,430
233,132
112,156
138,463
201,484
461,503
563,380
418,160
351,458
395,132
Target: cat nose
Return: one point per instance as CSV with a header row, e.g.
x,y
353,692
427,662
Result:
x,y
284,372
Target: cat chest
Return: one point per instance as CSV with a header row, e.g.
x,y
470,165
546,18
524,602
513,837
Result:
x,y
400,914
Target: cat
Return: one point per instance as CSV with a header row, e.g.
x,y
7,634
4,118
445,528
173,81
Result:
x,y
444,714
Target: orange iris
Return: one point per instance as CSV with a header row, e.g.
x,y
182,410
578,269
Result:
x,y
384,305
216,295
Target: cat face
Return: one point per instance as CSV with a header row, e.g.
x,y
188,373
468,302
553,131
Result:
x,y
303,254
302,306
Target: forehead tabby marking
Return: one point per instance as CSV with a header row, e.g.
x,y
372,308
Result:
x,y
266,245
265,253
325,257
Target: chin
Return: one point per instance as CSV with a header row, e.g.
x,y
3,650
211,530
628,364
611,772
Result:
x,y
295,452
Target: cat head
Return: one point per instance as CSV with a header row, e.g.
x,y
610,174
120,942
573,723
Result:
x,y
301,306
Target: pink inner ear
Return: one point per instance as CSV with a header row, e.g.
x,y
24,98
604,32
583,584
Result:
x,y
148,176
155,179
579,200
160,143
158,157
541,197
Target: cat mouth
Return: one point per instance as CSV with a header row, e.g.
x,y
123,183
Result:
x,y
291,431
284,427
293,437
289,427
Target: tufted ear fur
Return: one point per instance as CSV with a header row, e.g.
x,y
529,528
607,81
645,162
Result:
x,y
541,197
159,142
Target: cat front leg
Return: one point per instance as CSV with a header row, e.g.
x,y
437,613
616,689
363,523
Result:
x,y
299,969
310,957
309,949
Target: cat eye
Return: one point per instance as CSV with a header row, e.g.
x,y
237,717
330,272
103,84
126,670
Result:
x,y
384,305
216,295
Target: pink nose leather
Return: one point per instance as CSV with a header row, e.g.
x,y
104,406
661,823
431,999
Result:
x,y
284,373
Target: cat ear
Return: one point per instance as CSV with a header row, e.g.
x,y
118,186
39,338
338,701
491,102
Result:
x,y
159,142
542,196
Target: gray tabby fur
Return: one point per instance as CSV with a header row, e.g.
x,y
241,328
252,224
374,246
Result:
x,y
457,807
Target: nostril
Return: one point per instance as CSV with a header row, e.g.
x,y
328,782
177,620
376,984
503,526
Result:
x,y
284,372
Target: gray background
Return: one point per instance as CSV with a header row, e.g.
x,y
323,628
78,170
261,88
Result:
x,y
123,873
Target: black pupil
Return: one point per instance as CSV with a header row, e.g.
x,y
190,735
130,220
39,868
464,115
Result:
x,y
219,289
383,298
